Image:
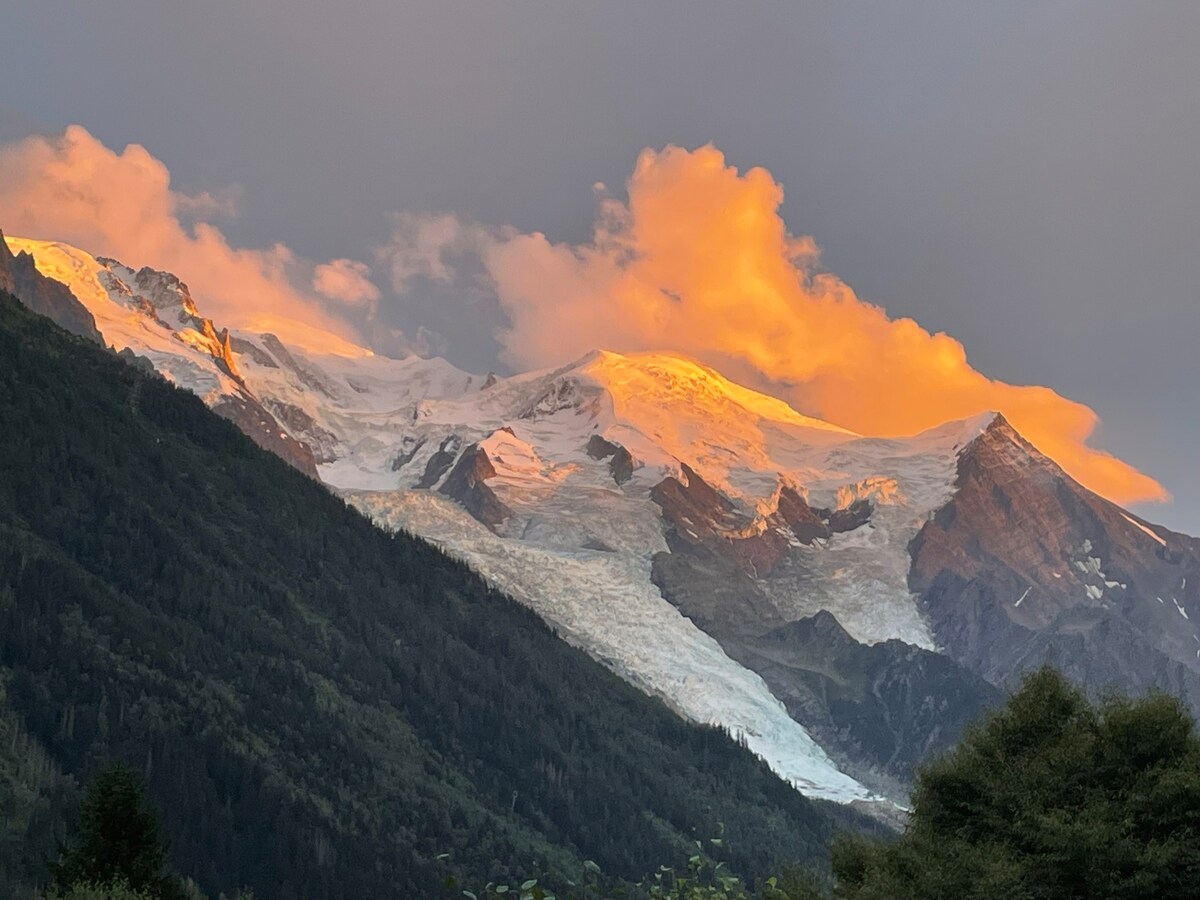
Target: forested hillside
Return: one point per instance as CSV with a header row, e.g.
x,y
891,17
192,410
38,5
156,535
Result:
x,y
319,708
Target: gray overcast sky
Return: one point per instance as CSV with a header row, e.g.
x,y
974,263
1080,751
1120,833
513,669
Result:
x,y
1020,175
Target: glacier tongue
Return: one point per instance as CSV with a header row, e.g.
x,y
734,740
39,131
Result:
x,y
605,603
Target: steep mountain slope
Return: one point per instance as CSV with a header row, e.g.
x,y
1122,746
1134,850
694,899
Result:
x,y
1024,566
320,708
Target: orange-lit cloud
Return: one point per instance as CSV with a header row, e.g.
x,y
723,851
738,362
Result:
x,y
426,246
346,281
699,261
74,189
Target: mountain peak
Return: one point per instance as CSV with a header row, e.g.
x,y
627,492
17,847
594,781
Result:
x,y
661,379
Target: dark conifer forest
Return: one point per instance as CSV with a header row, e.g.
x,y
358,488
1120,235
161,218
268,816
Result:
x,y
318,709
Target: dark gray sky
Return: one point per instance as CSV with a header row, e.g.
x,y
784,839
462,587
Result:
x,y
1020,175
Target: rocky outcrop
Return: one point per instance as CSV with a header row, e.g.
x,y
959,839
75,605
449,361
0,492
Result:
x,y
410,446
248,348
620,461
260,426
564,393
703,521
157,292
466,484
853,516
164,299
321,442
439,464
140,363
310,377
52,299
1024,566
805,522
224,355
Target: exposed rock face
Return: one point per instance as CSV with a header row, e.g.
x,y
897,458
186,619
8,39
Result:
x,y
806,523
466,484
410,446
699,516
52,299
1024,566
440,463
704,522
162,292
247,348
853,516
164,299
248,414
620,463
883,708
565,393
323,444
310,378
138,362
599,448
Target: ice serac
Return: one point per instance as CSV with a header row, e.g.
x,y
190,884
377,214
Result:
x,y
1024,566
19,276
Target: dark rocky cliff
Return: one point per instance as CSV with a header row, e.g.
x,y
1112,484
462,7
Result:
x,y
50,298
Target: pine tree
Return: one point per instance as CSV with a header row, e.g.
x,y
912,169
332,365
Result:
x,y
118,840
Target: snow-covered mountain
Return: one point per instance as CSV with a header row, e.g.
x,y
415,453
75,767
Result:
x,y
844,603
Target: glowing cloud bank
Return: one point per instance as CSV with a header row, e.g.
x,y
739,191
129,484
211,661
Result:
x,y
699,261
696,261
74,189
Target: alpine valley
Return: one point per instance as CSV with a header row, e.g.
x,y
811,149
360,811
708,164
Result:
x,y
842,605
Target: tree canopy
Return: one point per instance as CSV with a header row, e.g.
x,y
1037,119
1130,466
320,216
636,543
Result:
x,y
1052,797
118,840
